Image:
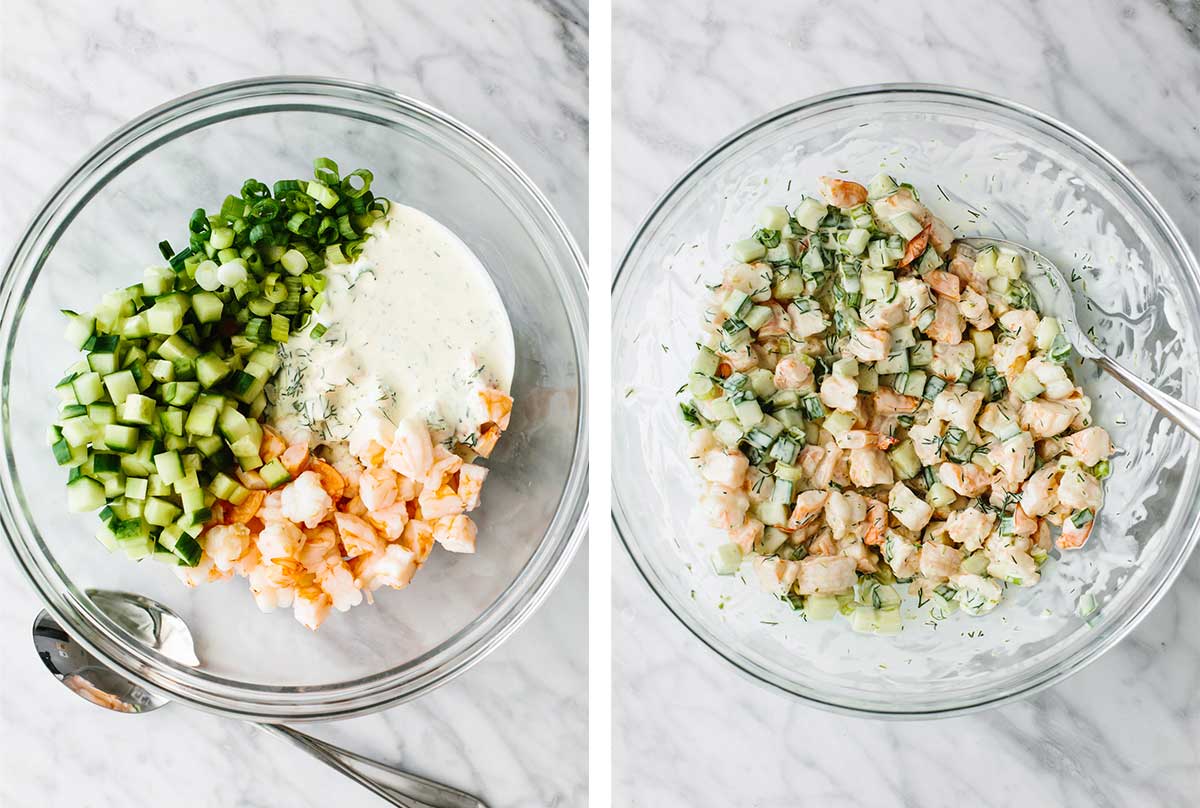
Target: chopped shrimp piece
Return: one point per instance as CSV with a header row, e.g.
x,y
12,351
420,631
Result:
x,y
279,540
272,507
418,539
320,549
1040,493
843,511
947,326
892,205
870,466
1014,457
806,323
927,441
311,608
780,323
888,402
792,374
915,247
411,450
1072,537
1089,446
242,513
976,594
775,574
225,544
725,508
1010,356
901,554
842,193
392,566
357,535
377,487
272,445
909,510
808,505
1079,489
825,575
455,533
331,479
251,479
305,501
877,315
974,307
970,527
859,439
470,484
966,479
839,392
389,521
268,595
338,582
876,522
945,284
939,561
958,405
1021,325
727,468
487,441
1023,523
443,501
1045,419
497,405
445,464
914,294
747,535
295,458
869,346
371,438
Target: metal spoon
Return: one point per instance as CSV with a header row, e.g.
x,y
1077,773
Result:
x,y
161,629
1056,298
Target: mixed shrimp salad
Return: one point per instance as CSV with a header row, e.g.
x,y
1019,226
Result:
x,y
874,404
171,425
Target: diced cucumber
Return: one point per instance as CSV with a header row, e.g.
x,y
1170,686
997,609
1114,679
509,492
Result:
x,y
120,385
211,370
137,409
921,354
202,420
727,559
120,438
748,413
896,362
820,607
160,512
1046,331
274,474
809,213
102,413
748,250
136,487
84,494
904,460
80,328
1027,386
180,394
774,514
169,466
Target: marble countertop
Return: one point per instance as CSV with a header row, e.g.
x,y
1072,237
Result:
x,y
514,728
690,731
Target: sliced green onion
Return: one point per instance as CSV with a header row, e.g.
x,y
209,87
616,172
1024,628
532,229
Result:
x,y
326,171
348,187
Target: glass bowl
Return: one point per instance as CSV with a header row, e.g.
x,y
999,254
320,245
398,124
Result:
x,y
988,167
97,232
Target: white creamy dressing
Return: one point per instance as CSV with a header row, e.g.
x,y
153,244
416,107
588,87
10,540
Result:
x,y
415,328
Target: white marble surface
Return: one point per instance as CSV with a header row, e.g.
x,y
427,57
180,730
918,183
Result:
x,y
687,729
512,729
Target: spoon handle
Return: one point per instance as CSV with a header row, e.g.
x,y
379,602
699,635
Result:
x,y
1184,415
390,784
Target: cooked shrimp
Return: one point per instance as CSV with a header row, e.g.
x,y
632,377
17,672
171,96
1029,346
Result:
x,y
842,193
246,510
1039,496
1089,446
393,566
970,527
470,484
747,535
487,441
377,487
455,533
869,345
948,324
945,284
825,575
1072,537
305,501
775,574
311,608
320,549
726,468
1045,419
279,540
272,445
966,479
869,466
411,450
888,402
371,438
389,521
939,561
225,544
295,458
445,464
916,245
442,501
725,508
357,535
808,505
792,374
331,479
876,522
338,583
497,405
418,539
203,573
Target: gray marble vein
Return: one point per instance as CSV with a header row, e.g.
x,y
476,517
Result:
x,y
688,730
513,729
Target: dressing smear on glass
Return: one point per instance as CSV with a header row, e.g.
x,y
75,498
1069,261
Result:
x,y
414,328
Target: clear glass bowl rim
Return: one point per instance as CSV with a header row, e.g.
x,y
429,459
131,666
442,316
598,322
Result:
x,y
117,649
810,108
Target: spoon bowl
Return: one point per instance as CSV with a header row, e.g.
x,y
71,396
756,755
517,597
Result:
x,y
162,630
1055,297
